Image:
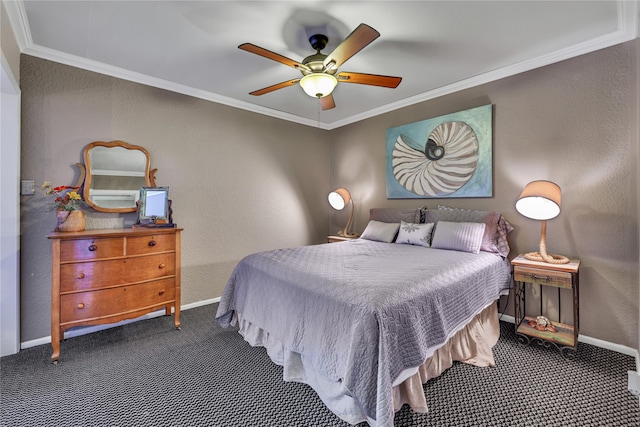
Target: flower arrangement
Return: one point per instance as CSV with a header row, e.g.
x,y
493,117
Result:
x,y
65,197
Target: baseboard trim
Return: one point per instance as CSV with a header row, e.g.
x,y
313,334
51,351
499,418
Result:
x,y
594,341
90,329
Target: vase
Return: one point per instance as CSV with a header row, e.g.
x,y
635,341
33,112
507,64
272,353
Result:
x,y
70,220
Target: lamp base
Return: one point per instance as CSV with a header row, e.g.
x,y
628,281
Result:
x,y
548,258
543,256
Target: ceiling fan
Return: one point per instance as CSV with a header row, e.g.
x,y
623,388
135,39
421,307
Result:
x,y
320,72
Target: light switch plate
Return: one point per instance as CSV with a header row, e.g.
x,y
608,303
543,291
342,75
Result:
x,y
27,187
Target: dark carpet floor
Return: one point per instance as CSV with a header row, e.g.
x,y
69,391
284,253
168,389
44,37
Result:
x,y
149,374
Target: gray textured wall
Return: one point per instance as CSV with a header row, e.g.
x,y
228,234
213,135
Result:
x,y
574,123
240,182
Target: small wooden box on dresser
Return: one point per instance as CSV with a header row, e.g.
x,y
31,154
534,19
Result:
x,y
105,276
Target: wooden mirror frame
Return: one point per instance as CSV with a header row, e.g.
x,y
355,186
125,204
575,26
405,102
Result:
x,y
86,177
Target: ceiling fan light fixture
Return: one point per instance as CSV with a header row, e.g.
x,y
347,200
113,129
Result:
x,y
318,85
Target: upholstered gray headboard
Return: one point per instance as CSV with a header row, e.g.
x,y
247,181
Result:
x,y
394,215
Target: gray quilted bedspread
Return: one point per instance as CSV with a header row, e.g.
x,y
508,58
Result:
x,y
361,312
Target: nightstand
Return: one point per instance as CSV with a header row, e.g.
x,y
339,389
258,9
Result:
x,y
333,239
560,276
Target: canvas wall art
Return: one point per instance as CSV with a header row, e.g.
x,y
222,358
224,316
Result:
x,y
444,157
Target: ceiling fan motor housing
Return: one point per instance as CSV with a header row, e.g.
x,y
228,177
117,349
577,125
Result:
x,y
315,62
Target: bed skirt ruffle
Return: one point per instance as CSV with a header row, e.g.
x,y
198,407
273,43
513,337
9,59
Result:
x,y
472,345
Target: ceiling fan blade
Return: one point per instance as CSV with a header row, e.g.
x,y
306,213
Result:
x,y
355,42
369,79
274,87
273,56
327,102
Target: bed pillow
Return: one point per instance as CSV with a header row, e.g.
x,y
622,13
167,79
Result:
x,y
503,228
415,234
502,243
489,218
458,236
380,231
394,215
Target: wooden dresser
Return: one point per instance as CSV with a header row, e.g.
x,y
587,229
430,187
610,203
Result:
x,y
105,276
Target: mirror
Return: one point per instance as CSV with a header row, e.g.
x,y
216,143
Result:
x,y
115,172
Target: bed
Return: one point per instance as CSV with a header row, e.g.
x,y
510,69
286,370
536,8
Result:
x,y
366,322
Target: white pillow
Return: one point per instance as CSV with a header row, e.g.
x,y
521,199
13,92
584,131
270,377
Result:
x,y
415,234
458,236
380,231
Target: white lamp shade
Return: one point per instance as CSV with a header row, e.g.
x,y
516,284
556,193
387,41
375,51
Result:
x,y
540,200
339,198
318,85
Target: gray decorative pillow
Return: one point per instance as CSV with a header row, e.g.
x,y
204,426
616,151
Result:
x,y
394,215
380,231
415,234
503,228
490,219
458,236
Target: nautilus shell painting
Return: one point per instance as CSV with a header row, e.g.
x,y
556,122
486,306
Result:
x,y
449,156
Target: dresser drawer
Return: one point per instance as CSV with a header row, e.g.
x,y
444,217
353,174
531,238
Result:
x,y
77,250
109,302
149,267
558,279
101,274
150,244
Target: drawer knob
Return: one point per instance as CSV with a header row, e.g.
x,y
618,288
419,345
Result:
x,y
152,243
81,306
161,292
161,266
92,248
80,275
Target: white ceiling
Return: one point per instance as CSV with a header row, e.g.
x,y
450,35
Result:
x,y
437,47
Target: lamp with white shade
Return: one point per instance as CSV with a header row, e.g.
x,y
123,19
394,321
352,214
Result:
x,y
540,200
338,199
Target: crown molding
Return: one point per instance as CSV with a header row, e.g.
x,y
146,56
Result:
x,y
121,73
628,29
19,23
628,22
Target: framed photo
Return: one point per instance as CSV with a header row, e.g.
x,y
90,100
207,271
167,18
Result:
x,y
444,157
154,207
